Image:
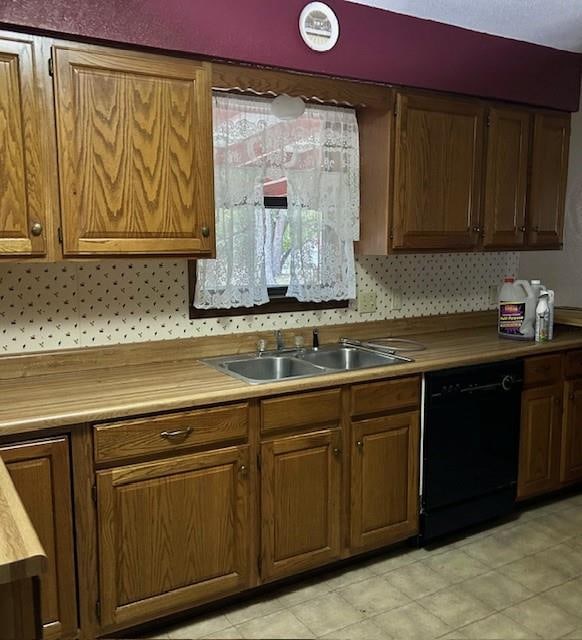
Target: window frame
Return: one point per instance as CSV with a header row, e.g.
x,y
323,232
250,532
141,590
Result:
x,y
364,97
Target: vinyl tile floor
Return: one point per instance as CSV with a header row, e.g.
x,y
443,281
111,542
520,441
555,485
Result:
x,y
521,578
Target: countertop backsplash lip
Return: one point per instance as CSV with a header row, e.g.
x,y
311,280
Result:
x,y
52,306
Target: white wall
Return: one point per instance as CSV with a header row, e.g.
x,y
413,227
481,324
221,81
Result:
x,y
562,270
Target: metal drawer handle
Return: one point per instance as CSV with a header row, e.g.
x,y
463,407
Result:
x,y
180,434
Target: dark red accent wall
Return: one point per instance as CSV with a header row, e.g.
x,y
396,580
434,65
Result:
x,y
374,44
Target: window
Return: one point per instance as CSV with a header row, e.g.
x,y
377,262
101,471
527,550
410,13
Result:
x,y
287,209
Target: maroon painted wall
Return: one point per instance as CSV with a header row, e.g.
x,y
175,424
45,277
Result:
x,y
374,44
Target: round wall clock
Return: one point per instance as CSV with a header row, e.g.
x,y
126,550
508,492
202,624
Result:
x,y
319,26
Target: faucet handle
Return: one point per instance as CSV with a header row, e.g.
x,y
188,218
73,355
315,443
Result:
x,y
261,345
316,338
299,341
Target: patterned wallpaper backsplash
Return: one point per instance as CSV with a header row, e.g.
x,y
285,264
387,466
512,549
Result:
x,y
67,305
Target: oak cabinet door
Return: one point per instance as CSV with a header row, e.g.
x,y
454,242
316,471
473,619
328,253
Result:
x,y
384,483
549,172
572,436
506,178
172,534
135,152
437,173
23,168
301,495
540,438
40,472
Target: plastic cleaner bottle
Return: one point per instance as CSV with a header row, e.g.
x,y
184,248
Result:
x,y
517,310
543,318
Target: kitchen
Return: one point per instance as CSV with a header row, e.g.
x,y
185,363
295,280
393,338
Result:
x,y
133,135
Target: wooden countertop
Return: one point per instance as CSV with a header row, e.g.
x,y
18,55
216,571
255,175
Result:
x,y
21,554
60,399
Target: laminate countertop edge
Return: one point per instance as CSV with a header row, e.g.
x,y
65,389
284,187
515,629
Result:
x,y
65,400
21,554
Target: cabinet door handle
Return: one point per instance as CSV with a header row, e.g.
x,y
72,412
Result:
x,y
477,229
176,436
36,229
205,232
523,229
243,470
337,452
360,444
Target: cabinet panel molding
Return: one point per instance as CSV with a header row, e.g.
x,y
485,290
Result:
x,y
540,441
40,472
384,480
135,152
173,534
24,171
506,178
437,172
572,435
301,502
549,172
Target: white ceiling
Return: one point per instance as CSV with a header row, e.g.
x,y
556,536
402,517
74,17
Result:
x,y
555,23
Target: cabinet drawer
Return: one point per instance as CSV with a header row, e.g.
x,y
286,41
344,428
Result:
x,y
543,370
160,434
574,364
301,410
388,395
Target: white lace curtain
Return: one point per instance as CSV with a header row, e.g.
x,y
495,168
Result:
x,y
318,156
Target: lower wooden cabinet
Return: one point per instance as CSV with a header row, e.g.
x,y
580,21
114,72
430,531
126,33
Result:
x,y
572,434
301,502
541,436
384,480
40,472
173,533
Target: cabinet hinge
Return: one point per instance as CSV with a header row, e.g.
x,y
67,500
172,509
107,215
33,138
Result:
x,y
51,68
488,120
259,564
259,462
94,493
98,610
60,235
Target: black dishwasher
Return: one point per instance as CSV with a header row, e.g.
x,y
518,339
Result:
x,y
470,445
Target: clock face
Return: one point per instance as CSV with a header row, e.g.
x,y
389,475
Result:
x,y
319,26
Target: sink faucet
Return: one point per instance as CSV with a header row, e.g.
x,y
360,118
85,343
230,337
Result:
x,y
280,341
315,344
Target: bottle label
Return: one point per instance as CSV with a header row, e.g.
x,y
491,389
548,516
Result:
x,y
511,318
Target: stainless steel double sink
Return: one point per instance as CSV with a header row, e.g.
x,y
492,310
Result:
x,y
301,363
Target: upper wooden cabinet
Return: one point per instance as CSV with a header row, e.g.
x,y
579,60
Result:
x,y
432,179
134,145
24,169
506,178
549,172
437,172
40,472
